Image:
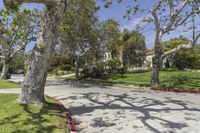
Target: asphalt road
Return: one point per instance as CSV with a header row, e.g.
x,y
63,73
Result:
x,y
101,109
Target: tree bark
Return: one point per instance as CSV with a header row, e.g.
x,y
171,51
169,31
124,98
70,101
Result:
x,y
33,89
157,61
77,70
5,71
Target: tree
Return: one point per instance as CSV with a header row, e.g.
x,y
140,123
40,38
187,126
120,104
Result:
x,y
110,35
166,16
134,49
78,34
182,59
170,60
20,26
33,88
177,15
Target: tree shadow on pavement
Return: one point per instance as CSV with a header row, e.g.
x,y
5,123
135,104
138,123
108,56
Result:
x,y
143,105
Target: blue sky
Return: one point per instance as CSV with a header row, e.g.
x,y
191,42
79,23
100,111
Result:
x,y
117,11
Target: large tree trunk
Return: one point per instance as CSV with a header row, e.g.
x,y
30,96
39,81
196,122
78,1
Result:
x,y
33,89
157,60
5,71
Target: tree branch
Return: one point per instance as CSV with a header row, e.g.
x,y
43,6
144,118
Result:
x,y
13,39
174,17
46,2
171,5
196,38
179,23
184,46
155,16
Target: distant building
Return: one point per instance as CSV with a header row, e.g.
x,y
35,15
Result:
x,y
149,56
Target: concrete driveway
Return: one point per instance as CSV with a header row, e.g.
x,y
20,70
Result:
x,y
100,109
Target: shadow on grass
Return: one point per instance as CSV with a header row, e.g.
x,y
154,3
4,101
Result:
x,y
182,82
37,122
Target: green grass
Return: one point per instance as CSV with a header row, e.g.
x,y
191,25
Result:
x,y
170,79
16,118
4,84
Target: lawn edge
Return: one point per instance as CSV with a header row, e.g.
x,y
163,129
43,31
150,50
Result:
x,y
175,90
68,116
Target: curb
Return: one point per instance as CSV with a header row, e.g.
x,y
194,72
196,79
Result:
x,y
69,118
175,90
140,88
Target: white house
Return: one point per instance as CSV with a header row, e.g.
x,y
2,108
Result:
x,y
149,57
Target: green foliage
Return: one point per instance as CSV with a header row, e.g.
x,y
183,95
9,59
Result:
x,y
187,59
65,67
17,28
97,72
18,63
85,73
79,32
110,34
173,43
61,68
59,62
12,6
134,48
183,59
113,65
121,71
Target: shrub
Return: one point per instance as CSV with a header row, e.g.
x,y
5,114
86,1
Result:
x,y
85,73
97,72
113,65
65,67
121,71
187,59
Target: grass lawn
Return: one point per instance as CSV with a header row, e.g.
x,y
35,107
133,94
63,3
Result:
x,y
170,79
16,118
4,84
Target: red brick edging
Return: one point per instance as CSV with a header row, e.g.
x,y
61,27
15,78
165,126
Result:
x,y
69,118
176,90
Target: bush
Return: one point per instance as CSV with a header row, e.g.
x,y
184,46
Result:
x,y
65,67
121,71
85,73
97,72
113,65
187,59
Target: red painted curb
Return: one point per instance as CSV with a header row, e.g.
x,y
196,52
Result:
x,y
175,90
69,118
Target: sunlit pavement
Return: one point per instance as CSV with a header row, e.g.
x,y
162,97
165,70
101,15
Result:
x,y
100,109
